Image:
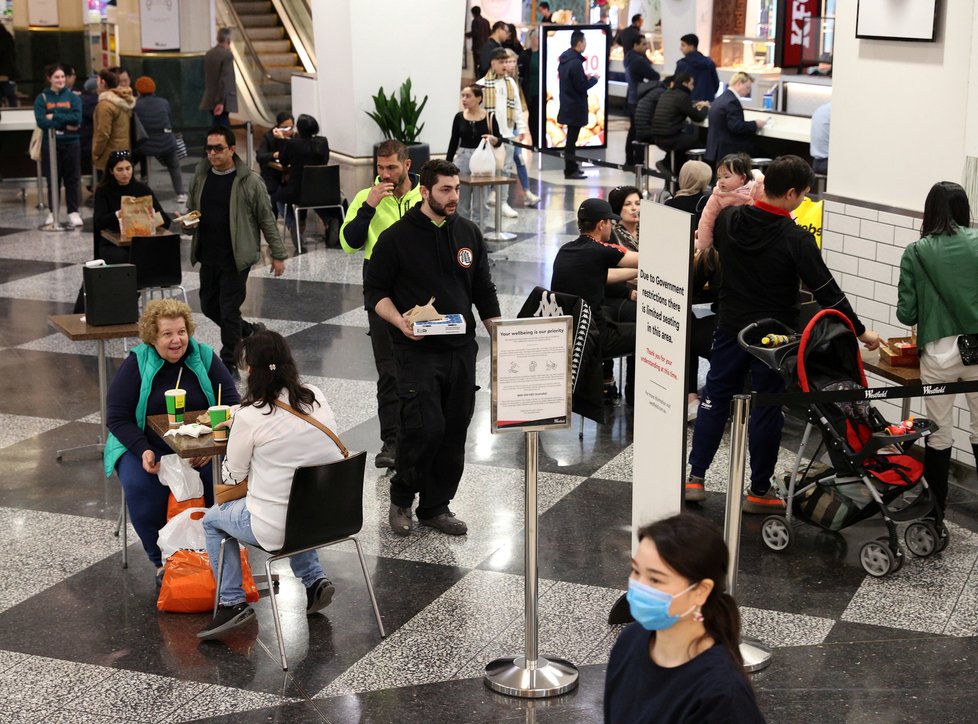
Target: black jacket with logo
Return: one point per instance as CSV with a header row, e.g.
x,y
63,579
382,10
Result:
x,y
414,260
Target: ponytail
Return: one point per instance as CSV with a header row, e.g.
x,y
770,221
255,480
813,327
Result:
x,y
721,618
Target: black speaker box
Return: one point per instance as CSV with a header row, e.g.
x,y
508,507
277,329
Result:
x,y
110,294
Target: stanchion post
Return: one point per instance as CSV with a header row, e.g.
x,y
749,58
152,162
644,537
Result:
x,y
40,185
756,656
531,676
250,142
53,186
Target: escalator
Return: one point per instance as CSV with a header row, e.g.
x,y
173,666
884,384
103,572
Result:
x,y
272,41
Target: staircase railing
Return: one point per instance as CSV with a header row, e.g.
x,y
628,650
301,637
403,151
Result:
x,y
296,18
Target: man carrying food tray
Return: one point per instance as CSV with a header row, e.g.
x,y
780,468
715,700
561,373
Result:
x,y
228,210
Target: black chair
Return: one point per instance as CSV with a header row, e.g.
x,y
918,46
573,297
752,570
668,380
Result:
x,y
320,190
158,267
325,508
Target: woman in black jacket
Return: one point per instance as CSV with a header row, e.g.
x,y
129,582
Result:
x,y
154,113
307,149
116,183
269,150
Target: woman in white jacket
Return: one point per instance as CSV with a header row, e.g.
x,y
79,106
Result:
x,y
266,445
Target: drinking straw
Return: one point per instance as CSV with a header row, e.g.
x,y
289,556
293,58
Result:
x,y
179,375
219,395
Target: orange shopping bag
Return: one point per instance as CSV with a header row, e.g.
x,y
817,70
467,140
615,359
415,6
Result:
x,y
175,507
188,583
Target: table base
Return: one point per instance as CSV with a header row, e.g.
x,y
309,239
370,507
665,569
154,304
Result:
x,y
499,236
95,447
56,226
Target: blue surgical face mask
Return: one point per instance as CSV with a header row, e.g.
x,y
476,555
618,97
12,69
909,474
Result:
x,y
650,606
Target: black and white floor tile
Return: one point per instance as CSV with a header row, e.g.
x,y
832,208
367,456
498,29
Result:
x,y
81,640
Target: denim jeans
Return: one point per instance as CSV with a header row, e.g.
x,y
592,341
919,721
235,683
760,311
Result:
x,y
521,168
234,519
729,366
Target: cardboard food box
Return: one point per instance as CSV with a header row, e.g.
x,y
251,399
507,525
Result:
x,y
449,324
900,352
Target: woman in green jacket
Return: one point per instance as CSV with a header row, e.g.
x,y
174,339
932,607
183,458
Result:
x,y
939,294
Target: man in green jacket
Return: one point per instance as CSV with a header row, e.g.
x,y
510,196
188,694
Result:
x,y
234,211
373,210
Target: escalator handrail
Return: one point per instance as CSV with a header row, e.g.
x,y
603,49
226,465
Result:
x,y
302,44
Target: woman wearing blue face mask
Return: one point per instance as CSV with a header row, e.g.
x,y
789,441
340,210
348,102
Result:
x,y
680,661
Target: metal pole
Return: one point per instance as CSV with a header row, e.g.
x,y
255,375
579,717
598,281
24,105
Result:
x,y
54,186
756,656
530,577
102,388
250,141
40,185
531,676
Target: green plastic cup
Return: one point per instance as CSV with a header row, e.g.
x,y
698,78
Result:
x,y
176,402
219,413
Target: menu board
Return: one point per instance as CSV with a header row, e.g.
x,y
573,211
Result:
x,y
531,374
555,40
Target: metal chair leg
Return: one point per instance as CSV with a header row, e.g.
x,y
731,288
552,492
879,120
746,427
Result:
x,y
123,529
278,624
370,588
580,434
298,231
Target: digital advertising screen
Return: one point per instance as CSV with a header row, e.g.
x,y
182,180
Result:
x,y
555,40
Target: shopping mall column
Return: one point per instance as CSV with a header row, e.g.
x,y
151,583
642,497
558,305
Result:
x,y
361,47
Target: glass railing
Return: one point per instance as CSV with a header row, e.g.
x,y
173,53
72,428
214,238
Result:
x,y
296,18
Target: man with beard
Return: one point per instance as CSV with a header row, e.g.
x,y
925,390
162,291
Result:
x,y
372,211
432,252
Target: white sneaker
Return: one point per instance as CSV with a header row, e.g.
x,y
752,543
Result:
x,y
181,198
508,211
531,198
49,219
75,219
491,200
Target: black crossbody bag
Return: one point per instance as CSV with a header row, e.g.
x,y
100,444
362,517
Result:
x,y
967,343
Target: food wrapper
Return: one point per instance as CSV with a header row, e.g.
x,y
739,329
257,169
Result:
x,y
193,429
424,313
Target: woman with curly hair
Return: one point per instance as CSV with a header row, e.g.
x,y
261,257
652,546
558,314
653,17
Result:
x,y
137,391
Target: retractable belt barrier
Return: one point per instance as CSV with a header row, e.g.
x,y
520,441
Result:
x,y
636,168
767,399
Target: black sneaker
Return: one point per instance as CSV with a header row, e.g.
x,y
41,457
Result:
x,y
447,523
249,328
611,394
319,595
386,457
227,619
663,168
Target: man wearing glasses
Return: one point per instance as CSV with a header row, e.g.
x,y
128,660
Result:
x,y
234,211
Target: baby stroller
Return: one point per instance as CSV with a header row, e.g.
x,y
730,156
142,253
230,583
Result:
x,y
871,472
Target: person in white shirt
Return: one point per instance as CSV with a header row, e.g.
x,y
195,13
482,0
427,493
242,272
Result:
x,y
501,97
266,445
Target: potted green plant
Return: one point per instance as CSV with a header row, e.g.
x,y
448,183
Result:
x,y
397,116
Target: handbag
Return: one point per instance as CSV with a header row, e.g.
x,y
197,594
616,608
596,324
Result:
x,y
967,343
482,162
139,133
37,139
181,145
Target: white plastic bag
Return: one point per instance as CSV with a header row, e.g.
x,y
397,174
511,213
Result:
x,y
184,531
483,160
177,474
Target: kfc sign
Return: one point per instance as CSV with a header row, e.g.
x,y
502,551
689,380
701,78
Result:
x,y
796,33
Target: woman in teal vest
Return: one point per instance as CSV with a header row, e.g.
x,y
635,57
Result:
x,y
132,449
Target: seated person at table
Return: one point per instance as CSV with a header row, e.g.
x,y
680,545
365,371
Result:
x,y
307,148
266,445
116,183
585,267
137,391
269,150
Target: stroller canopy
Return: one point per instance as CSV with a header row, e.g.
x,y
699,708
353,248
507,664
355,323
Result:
x,y
829,352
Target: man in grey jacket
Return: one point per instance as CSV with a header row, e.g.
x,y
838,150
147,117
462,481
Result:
x,y
220,92
234,211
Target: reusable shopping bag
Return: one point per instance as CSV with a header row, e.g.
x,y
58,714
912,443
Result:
x,y
188,583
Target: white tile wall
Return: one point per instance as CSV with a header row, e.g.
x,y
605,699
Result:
x,y
863,247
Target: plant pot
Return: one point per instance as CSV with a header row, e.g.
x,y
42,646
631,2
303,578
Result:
x,y
419,153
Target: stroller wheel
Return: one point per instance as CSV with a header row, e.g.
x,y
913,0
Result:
x,y
775,533
921,538
877,559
